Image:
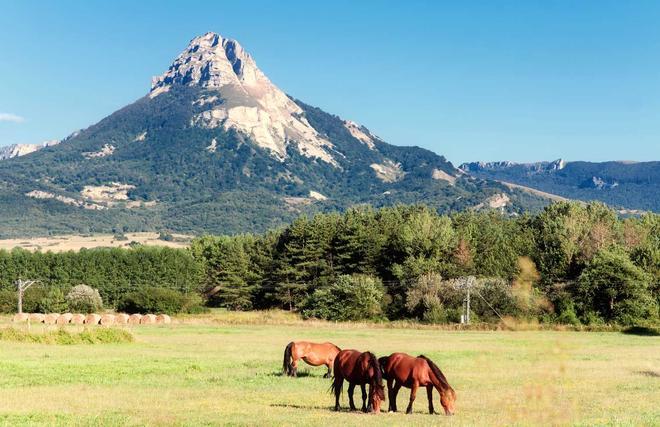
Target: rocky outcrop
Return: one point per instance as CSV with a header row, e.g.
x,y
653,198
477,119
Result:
x,y
17,150
246,100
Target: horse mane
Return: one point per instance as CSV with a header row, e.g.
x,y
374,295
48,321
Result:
x,y
376,384
437,372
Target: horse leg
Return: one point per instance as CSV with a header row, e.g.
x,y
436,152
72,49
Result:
x,y
413,394
429,393
294,369
337,385
329,373
351,388
364,398
390,383
395,393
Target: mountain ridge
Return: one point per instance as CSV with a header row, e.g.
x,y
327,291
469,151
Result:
x,y
214,146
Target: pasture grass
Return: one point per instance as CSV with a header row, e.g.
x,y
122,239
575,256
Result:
x,y
65,336
206,371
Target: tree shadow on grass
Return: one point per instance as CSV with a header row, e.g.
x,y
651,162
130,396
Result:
x,y
649,373
642,331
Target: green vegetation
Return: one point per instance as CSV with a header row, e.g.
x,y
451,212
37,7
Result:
x,y
84,299
66,337
224,369
160,300
239,188
571,263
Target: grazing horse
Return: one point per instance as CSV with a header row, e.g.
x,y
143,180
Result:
x,y
400,369
312,353
359,369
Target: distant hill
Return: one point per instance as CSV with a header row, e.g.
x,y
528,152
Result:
x,y
621,184
216,147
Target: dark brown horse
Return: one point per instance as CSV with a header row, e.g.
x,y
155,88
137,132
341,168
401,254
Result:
x,y
359,369
400,369
312,353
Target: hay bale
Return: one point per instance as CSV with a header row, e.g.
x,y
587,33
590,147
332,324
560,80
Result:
x,y
36,318
78,319
121,318
148,319
64,319
51,318
108,319
163,319
20,317
92,319
134,319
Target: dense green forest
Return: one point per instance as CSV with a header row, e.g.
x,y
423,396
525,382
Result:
x,y
570,263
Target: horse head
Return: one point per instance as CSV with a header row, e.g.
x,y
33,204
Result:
x,y
447,400
376,389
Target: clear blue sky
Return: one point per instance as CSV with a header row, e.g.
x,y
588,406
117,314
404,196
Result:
x,y
491,80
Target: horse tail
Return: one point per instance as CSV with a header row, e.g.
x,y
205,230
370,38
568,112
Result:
x,y
337,379
440,377
287,365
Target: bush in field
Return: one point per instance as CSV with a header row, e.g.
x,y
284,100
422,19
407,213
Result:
x,y
160,300
84,299
356,297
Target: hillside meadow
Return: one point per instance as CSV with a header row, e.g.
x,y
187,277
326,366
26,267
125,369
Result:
x,y
224,369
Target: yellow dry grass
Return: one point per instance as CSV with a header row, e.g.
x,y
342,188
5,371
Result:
x,y
77,242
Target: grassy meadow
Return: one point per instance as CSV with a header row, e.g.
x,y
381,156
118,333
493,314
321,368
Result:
x,y
224,369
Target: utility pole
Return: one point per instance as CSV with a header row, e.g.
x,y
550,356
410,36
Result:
x,y
466,283
22,285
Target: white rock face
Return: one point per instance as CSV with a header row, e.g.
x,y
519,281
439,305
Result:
x,y
360,133
17,150
317,196
495,201
141,137
105,151
444,176
213,146
108,194
38,194
252,105
388,171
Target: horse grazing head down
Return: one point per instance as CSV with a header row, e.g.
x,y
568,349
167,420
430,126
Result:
x,y
447,400
376,388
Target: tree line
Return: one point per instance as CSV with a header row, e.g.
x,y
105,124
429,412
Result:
x,y
571,263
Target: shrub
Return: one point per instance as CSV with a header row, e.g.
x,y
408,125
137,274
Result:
x,y
85,299
160,300
356,297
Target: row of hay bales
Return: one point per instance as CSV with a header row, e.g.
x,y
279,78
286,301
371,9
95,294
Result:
x,y
93,319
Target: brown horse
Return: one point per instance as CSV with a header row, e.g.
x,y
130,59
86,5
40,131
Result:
x,y
359,369
312,353
400,369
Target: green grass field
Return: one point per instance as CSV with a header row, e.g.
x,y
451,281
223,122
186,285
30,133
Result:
x,y
224,369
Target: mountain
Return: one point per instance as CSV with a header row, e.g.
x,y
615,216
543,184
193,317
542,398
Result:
x,y
622,184
216,147
17,150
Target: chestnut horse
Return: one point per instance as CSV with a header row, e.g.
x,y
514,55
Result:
x,y
359,369
400,369
312,353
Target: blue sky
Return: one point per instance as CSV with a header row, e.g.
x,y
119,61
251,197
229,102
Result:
x,y
492,80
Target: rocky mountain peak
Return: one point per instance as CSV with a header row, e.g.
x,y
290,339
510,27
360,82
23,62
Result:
x,y
245,99
209,61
